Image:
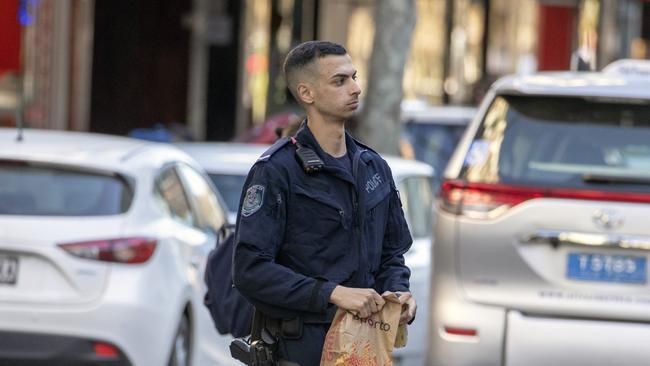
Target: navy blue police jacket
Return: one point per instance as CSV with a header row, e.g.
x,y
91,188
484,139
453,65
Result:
x,y
299,234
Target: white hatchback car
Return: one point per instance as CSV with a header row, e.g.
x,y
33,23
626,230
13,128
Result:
x,y
103,242
542,239
228,165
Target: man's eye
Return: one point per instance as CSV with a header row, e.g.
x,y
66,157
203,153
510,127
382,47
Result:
x,y
339,81
354,77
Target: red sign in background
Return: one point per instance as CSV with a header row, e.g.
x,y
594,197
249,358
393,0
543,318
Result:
x,y
9,37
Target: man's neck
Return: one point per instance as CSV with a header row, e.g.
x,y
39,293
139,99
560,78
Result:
x,y
330,135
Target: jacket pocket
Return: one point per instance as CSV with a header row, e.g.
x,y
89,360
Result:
x,y
318,210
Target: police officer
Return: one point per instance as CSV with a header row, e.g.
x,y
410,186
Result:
x,y
320,224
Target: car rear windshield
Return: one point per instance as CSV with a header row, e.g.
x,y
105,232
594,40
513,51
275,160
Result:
x,y
434,143
230,187
54,191
563,141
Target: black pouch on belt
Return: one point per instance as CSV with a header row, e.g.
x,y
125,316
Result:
x,y
291,328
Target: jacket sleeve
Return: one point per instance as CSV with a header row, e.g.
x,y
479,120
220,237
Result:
x,y
393,273
259,236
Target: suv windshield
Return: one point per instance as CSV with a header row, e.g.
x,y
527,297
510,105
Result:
x,y
563,141
53,191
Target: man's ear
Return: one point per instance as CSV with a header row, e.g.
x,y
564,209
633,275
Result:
x,y
304,93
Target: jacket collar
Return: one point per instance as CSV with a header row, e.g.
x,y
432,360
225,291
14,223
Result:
x,y
305,137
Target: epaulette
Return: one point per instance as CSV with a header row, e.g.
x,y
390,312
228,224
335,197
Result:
x,y
364,145
365,158
274,148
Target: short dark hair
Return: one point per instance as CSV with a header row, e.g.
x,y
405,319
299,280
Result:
x,y
305,53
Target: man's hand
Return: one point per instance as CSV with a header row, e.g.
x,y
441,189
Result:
x,y
361,301
409,307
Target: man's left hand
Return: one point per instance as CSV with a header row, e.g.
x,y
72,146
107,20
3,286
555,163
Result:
x,y
409,307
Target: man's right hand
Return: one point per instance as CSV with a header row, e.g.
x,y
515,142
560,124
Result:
x,y
361,301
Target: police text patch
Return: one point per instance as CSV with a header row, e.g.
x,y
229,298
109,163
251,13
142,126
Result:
x,y
253,200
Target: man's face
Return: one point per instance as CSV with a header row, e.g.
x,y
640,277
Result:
x,y
335,88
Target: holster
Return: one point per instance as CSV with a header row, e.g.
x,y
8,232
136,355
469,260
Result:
x,y
283,328
260,349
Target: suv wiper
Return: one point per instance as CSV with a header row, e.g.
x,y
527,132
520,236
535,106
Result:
x,y
614,179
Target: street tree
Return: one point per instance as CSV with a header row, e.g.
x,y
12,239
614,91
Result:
x,y
379,119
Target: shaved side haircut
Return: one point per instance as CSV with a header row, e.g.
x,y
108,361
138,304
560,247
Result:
x,y
302,56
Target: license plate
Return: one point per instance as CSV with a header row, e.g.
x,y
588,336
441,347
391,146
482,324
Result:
x,y
607,268
8,270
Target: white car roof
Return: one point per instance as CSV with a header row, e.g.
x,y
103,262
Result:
x,y
77,148
423,113
224,157
238,158
402,167
580,84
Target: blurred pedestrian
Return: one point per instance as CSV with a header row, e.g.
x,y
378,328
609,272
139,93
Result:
x,y
320,223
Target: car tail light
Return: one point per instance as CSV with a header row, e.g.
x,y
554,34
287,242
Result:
x,y
488,200
123,250
467,332
483,200
105,350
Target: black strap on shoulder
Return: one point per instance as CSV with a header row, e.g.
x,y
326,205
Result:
x,y
274,148
309,160
363,145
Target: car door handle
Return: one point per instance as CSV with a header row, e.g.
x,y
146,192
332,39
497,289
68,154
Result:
x,y
557,238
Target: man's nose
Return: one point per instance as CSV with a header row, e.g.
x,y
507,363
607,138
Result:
x,y
356,89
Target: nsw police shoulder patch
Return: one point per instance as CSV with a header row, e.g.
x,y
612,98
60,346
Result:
x,y
253,200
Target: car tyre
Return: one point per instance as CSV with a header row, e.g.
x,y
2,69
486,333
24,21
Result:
x,y
181,347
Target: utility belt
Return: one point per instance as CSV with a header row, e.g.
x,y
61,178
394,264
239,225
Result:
x,y
261,348
292,328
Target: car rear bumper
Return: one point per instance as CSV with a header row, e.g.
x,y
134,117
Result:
x,y
141,333
450,347
18,348
544,340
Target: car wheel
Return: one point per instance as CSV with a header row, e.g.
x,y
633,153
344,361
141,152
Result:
x,y
180,355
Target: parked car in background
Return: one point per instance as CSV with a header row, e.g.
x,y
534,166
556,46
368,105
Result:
x,y
228,165
103,243
413,180
541,242
431,133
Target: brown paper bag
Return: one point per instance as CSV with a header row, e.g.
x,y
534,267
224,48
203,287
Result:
x,y
363,342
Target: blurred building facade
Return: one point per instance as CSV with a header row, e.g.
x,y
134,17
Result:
x,y
214,66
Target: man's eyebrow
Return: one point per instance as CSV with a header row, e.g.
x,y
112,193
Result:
x,y
342,74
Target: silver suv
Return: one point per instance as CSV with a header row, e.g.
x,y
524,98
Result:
x,y
542,233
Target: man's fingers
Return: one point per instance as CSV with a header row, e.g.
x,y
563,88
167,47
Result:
x,y
404,297
365,312
378,300
372,306
412,309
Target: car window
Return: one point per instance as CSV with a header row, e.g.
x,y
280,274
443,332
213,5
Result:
x,y
416,196
173,198
27,189
230,187
563,141
433,143
208,211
